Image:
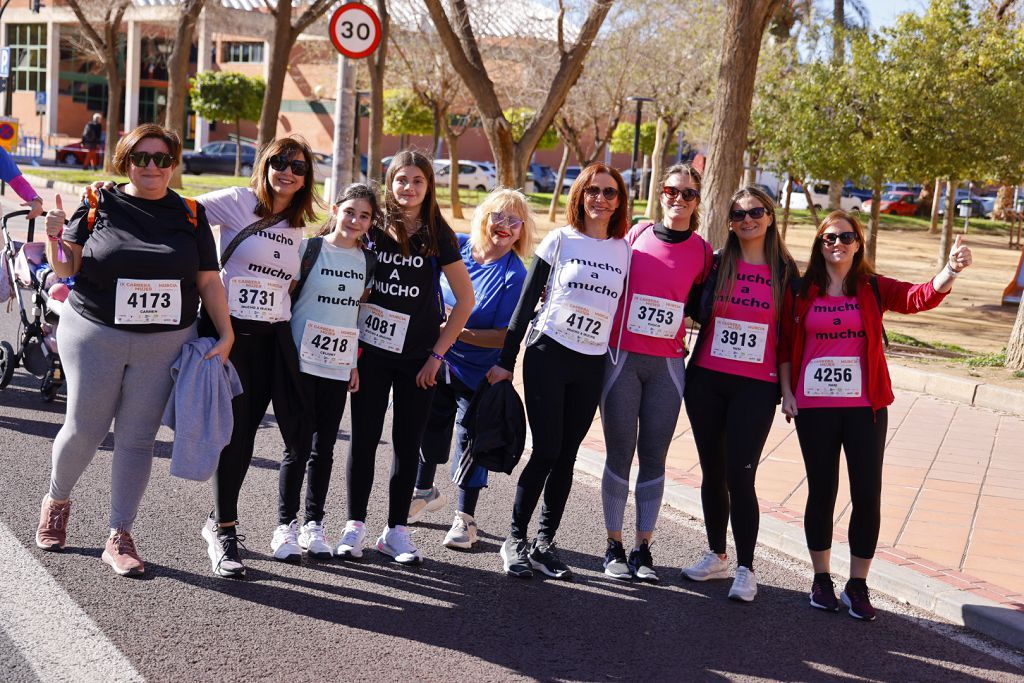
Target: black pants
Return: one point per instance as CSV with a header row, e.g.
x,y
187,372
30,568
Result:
x,y
730,417
312,455
379,375
563,389
861,435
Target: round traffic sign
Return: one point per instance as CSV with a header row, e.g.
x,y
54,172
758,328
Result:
x,y
6,131
355,30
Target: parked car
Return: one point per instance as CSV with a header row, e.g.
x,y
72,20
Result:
x,y
74,154
571,173
819,195
543,177
988,205
895,203
861,192
471,175
219,157
904,187
977,208
643,176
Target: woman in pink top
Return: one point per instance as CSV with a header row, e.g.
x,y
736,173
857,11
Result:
x,y
732,381
835,382
644,372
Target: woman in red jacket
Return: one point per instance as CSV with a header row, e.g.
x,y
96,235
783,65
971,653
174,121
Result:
x,y
835,382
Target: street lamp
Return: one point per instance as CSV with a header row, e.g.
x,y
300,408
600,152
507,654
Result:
x,y
634,186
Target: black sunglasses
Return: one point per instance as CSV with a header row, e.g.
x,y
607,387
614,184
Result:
x,y
736,215
279,163
142,159
609,193
673,193
844,237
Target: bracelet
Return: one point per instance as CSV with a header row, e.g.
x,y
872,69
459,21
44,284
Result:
x,y
437,356
949,271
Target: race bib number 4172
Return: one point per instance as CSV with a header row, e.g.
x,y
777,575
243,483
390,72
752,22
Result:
x,y
582,325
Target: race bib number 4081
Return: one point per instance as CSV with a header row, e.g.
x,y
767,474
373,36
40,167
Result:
x,y
256,299
383,328
146,302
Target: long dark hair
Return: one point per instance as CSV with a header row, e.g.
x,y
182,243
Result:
x,y
817,272
430,213
348,193
300,210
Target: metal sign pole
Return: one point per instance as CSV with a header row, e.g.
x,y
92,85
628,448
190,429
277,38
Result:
x,y
344,103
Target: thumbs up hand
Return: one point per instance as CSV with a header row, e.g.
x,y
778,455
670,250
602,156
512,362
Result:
x,y
959,256
55,220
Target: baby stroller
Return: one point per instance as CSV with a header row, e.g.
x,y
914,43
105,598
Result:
x,y
32,281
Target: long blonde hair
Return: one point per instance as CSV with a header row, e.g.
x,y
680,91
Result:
x,y
503,198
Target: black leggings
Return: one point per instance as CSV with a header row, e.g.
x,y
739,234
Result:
x,y
379,375
730,417
315,447
861,434
563,388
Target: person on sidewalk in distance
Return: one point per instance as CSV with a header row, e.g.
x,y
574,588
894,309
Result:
x,y
260,234
335,274
835,382
643,381
143,258
403,347
732,383
92,138
582,268
501,235
11,174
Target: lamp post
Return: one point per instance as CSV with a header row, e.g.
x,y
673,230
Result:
x,y
634,186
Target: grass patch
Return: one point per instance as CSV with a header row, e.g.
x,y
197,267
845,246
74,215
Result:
x,y
907,340
1019,374
988,360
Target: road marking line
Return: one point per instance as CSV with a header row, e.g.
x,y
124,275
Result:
x,y
57,639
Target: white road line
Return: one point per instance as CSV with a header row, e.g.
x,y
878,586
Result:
x,y
58,640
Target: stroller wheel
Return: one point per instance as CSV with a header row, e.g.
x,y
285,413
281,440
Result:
x,y
7,363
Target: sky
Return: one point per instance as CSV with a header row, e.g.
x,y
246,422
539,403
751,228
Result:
x,y
884,12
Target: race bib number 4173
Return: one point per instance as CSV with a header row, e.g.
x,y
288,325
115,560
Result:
x,y
146,302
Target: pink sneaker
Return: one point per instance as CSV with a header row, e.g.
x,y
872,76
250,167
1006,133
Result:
x,y
121,555
53,524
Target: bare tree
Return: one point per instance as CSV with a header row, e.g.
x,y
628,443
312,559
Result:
x,y
177,71
377,66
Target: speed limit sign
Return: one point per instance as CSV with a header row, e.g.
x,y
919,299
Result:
x,y
355,30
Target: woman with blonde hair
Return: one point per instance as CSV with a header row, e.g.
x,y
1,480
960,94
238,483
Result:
x,y
501,236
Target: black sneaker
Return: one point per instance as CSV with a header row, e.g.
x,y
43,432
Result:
x,y
515,555
544,557
823,593
856,597
615,563
222,547
641,563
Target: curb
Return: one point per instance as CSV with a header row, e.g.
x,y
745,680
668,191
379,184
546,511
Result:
x,y
966,391
901,582
59,185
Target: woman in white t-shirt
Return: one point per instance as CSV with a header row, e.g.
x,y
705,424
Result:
x,y
583,267
260,234
336,270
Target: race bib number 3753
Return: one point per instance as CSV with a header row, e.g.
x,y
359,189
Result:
x,y
146,302
653,316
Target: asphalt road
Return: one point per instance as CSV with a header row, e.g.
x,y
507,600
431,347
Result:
x,y
66,616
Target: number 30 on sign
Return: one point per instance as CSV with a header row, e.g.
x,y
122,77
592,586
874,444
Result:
x,y
355,30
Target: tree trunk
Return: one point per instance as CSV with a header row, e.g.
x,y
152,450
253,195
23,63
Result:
x,y
785,205
177,75
933,229
741,46
750,170
280,50
946,242
557,193
1004,203
238,147
810,204
453,178
377,66
1015,346
876,200
114,120
653,191
924,198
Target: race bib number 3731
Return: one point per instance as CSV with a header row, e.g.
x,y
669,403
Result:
x,y
147,302
256,299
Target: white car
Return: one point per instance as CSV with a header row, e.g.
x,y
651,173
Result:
x,y
472,175
819,195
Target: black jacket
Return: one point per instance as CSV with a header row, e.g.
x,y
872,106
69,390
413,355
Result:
x,y
495,424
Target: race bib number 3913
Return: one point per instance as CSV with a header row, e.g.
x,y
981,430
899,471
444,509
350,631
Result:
x,y
256,299
383,328
328,345
146,302
739,340
836,377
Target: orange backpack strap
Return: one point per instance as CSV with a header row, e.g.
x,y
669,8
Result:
x,y
93,199
192,211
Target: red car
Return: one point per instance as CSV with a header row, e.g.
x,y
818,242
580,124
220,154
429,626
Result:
x,y
895,203
74,154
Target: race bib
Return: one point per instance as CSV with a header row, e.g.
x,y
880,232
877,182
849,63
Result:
x,y
739,340
256,299
382,328
582,325
147,302
837,377
653,316
328,345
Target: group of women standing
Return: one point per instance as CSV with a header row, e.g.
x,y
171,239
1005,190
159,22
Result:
x,y
386,301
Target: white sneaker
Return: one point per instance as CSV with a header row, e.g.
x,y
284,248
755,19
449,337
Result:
x,y
352,539
314,542
711,566
395,541
285,543
223,550
744,586
423,502
463,532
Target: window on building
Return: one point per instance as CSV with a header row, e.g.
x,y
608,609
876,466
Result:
x,y
242,52
28,56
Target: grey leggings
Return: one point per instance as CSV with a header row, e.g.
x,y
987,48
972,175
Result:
x,y
640,405
112,375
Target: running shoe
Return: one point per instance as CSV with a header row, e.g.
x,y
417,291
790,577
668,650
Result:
x,y
823,593
424,501
352,538
463,532
544,557
313,541
856,597
121,555
395,542
711,566
52,532
615,563
285,543
744,586
641,563
222,547
515,554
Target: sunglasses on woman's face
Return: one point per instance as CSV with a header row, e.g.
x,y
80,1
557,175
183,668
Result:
x,y
506,219
142,159
609,193
673,193
736,215
830,238
280,162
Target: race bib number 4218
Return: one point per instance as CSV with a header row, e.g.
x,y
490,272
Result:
x,y
329,345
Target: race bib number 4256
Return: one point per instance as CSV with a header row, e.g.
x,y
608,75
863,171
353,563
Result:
x,y
146,302
739,340
837,376
256,299
383,328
